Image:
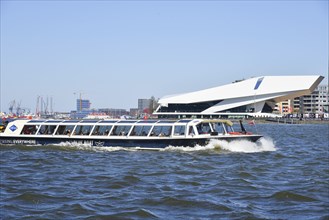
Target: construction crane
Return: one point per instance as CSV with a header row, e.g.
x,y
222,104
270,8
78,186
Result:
x,y
12,106
18,108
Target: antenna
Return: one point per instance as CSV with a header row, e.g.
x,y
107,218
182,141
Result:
x,y
51,105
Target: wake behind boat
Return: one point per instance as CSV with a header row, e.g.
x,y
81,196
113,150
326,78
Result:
x,y
143,134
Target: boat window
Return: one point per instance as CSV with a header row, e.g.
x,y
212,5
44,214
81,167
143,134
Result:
x,y
161,131
229,128
29,129
102,130
64,129
71,121
53,121
185,120
127,122
166,122
191,131
83,130
141,130
121,130
147,121
218,127
179,130
107,121
203,128
90,121
47,129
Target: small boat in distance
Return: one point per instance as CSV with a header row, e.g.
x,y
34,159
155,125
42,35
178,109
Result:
x,y
140,134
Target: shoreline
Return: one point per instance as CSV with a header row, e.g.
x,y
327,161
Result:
x,y
288,121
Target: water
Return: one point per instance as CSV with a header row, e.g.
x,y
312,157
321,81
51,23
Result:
x,y
285,176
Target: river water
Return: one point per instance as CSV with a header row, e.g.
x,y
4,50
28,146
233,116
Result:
x,y
285,176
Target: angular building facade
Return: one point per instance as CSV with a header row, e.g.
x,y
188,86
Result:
x,y
251,97
317,102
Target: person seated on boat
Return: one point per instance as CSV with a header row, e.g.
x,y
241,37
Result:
x,y
2,128
161,134
68,132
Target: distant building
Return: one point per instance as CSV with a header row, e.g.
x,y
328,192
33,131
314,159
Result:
x,y
83,104
284,107
113,112
80,114
82,109
317,102
133,112
143,104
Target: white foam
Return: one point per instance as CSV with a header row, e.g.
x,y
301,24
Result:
x,y
243,146
88,147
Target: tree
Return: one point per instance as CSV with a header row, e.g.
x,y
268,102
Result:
x,y
153,104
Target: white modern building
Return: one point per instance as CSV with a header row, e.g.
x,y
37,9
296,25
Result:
x,y
251,97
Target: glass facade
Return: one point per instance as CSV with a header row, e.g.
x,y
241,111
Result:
x,y
83,104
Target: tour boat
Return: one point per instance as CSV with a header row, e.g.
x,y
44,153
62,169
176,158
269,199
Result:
x,y
140,134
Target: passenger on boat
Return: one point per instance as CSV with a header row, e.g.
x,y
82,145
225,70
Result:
x,y
2,128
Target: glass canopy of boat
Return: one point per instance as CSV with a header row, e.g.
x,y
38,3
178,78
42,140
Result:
x,y
131,128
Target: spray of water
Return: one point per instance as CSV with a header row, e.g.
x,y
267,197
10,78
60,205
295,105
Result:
x,y
88,147
242,146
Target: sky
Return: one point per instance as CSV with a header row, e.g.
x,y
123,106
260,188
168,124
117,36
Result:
x,y
114,52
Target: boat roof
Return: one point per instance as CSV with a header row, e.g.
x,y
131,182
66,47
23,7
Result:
x,y
124,121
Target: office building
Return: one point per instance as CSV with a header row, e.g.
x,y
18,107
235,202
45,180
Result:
x,y
143,105
83,104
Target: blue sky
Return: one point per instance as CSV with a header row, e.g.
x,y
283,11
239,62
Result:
x,y
115,52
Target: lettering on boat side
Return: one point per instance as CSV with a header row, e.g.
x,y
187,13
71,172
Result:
x,y
82,142
6,141
13,128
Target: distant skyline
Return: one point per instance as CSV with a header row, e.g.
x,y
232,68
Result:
x,y
114,52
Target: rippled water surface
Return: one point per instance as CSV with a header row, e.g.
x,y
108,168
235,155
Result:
x,y
285,176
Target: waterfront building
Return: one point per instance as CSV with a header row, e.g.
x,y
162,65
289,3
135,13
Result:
x,y
82,109
114,112
83,104
251,97
133,112
143,104
80,114
315,103
285,107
